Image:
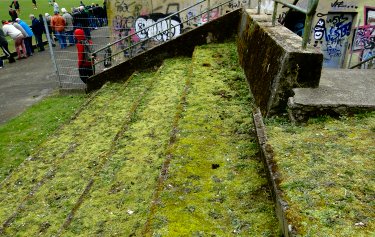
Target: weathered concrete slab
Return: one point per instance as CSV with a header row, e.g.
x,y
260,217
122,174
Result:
x,y
274,62
341,92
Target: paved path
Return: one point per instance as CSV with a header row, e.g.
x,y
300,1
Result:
x,y
24,83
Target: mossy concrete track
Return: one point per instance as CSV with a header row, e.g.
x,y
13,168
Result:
x,y
167,153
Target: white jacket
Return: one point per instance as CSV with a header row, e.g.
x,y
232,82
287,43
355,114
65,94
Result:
x,y
12,31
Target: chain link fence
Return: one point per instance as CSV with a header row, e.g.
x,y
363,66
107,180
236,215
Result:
x,y
64,53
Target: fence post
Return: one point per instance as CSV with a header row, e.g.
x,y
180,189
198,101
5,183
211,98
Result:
x,y
51,51
311,7
208,10
170,29
259,3
274,13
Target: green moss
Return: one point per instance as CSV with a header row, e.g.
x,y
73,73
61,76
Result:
x,y
214,185
327,174
166,154
69,155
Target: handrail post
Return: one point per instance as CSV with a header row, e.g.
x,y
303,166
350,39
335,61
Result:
x,y
170,28
274,13
259,3
208,9
311,7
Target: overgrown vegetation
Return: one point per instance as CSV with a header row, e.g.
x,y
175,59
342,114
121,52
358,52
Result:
x,y
21,136
328,174
214,185
168,153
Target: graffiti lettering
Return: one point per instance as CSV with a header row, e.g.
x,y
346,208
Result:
x,y
122,6
341,4
214,13
365,38
338,4
159,31
319,29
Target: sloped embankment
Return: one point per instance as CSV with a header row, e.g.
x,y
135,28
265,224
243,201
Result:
x,y
167,153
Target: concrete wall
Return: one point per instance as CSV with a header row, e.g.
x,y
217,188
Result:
x,y
274,62
128,16
335,25
217,30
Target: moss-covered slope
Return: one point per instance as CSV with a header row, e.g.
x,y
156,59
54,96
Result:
x,y
213,185
328,174
168,153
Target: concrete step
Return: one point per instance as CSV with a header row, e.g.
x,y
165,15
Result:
x,y
340,92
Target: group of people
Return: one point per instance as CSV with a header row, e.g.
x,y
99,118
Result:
x,y
68,28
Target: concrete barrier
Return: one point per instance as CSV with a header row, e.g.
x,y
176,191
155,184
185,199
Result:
x,y
274,62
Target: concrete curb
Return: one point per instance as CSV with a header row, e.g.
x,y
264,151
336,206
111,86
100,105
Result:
x,y
273,175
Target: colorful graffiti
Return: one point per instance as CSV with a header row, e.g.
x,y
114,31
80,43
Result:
x,y
155,26
331,35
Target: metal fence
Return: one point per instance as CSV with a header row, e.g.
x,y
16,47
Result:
x,y
116,41
149,32
65,56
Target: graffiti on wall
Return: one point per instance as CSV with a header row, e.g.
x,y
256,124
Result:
x,y
364,37
156,27
343,5
331,35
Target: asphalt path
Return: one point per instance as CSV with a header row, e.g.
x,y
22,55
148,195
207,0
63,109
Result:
x,y
24,83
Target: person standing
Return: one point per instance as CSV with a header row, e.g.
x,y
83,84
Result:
x,y
68,25
38,30
4,47
17,37
13,14
81,21
51,36
16,6
34,4
24,34
55,6
28,38
85,63
58,27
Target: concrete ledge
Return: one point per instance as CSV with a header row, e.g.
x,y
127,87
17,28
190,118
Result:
x,y
273,176
274,62
341,92
222,28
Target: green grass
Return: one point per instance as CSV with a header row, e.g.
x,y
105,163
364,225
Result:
x,y
43,7
138,160
21,136
26,7
328,174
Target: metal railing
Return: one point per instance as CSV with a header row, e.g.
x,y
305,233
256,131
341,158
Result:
x,y
364,61
309,12
171,27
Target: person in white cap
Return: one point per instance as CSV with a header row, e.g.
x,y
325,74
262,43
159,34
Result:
x,y
48,20
68,25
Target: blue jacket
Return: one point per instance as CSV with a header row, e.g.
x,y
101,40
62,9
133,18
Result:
x,y
28,30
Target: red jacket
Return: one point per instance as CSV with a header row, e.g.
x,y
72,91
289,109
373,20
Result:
x,y
79,34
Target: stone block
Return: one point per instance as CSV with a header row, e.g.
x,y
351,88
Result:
x,y
274,62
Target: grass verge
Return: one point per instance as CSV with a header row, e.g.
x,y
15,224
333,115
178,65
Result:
x,y
21,136
328,174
